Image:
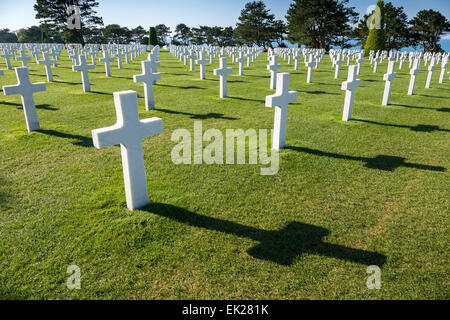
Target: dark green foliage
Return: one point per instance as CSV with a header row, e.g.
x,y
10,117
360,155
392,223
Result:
x,y
183,34
162,32
153,39
255,25
320,23
428,26
6,36
54,14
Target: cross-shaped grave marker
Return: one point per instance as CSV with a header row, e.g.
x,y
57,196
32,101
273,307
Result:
x,y
273,67
107,60
7,55
444,65
24,58
338,63
148,78
280,101
350,86
310,66
223,71
129,132
241,61
389,77
430,72
48,66
26,89
202,61
83,67
414,72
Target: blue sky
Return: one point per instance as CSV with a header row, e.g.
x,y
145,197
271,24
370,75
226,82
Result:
x,y
131,13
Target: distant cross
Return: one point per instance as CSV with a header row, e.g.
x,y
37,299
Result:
x,y
273,67
24,58
310,66
191,58
414,72
83,67
119,56
430,72
359,61
26,89
280,101
350,86
129,132
389,77
74,57
94,55
241,61
338,63
148,77
223,71
444,65
48,66
297,57
376,61
107,60
202,61
7,56
154,63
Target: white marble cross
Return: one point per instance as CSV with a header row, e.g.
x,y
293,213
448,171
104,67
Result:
x,y
338,63
83,67
129,132
280,101
376,61
24,58
273,67
297,57
414,72
202,61
148,78
430,72
191,58
241,61
107,60
389,77
359,61
119,56
350,86
154,64
7,56
48,66
444,65
26,89
310,66
223,71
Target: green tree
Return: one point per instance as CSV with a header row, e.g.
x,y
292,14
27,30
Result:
x,y
183,33
428,26
116,34
255,25
278,32
152,39
397,28
199,35
6,36
138,34
377,33
30,35
162,32
318,23
54,14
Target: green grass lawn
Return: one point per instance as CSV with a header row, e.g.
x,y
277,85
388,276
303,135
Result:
x,y
372,191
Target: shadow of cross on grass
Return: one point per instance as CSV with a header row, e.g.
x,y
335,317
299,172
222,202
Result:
x,y
281,246
199,116
380,162
418,128
82,141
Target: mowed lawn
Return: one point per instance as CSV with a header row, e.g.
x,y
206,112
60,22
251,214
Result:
x,y
372,191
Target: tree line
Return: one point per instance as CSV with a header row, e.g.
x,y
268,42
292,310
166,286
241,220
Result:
x,y
314,23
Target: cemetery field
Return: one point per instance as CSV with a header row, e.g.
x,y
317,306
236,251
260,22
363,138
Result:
x,y
371,191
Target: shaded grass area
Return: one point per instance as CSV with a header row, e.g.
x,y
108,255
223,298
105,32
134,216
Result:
x,y
373,191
